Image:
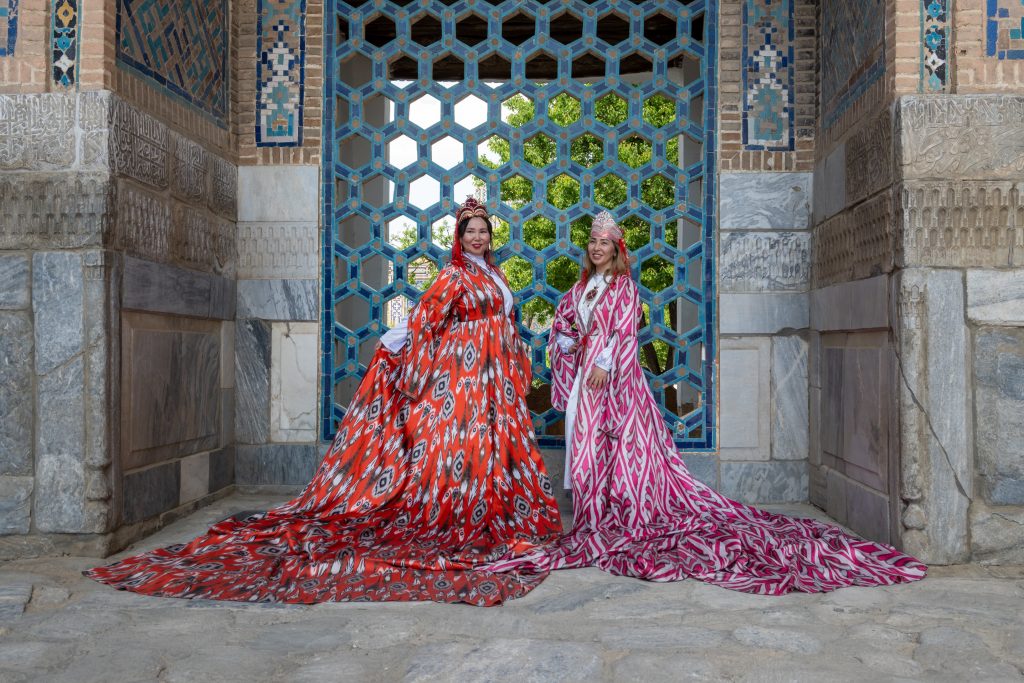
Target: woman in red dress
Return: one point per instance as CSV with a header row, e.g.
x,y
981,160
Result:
x,y
434,471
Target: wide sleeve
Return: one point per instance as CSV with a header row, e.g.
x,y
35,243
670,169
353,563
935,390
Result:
x,y
564,364
626,372
427,322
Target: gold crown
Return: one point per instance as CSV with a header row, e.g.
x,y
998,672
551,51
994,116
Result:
x,y
470,208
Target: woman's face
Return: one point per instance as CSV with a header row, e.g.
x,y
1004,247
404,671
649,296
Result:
x,y
601,251
477,238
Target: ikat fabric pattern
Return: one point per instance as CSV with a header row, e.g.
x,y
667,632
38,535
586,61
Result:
x,y
8,26
638,512
365,191
853,53
1004,29
934,45
280,72
768,75
65,42
181,45
433,473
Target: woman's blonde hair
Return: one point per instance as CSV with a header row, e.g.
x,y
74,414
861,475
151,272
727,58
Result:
x,y
620,263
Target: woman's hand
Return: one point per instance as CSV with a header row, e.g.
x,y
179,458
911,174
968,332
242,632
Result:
x,y
598,378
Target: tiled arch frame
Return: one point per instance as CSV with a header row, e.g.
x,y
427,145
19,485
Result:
x,y
417,106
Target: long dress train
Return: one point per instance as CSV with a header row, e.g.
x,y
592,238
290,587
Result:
x,y
637,510
434,471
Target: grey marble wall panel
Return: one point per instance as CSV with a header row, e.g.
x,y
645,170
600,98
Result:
x,y
227,355
860,305
173,394
195,477
765,482
57,306
865,426
768,201
102,323
15,505
995,297
60,506
762,313
789,399
279,299
703,468
997,534
227,412
745,397
252,381
830,185
15,393
999,406
151,491
163,288
276,464
14,283
222,468
278,193
937,429
764,261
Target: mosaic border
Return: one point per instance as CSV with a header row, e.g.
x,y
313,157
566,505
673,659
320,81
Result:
x,y
781,77
934,45
12,28
64,42
262,139
995,12
142,70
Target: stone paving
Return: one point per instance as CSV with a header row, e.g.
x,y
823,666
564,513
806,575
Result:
x,y
962,623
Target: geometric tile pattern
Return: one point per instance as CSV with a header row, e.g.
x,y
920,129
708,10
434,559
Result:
x,y
181,46
8,26
934,45
852,44
65,41
416,105
280,69
1004,30
768,73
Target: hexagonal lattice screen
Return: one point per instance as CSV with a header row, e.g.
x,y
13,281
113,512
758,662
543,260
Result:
x,y
549,112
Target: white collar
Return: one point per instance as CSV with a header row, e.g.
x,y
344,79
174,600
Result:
x,y
478,260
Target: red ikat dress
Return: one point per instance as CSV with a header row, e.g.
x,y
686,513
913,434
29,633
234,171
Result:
x,y
434,471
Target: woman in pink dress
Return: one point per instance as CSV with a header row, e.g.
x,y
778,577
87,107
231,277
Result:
x,y
636,509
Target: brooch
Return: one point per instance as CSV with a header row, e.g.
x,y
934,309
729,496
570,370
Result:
x,y
590,295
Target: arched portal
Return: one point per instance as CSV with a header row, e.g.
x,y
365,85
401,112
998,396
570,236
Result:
x,y
548,112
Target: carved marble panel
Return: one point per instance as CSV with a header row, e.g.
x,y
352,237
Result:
x,y
764,261
855,244
278,251
53,211
962,136
188,180
869,158
143,222
223,187
961,223
140,145
37,132
94,122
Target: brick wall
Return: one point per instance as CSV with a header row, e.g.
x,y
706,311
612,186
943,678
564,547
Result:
x,y
733,154
27,70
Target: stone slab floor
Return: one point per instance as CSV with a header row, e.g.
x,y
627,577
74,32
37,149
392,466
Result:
x,y
960,624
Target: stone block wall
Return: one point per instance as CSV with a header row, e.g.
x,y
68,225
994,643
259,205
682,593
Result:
x,y
960,236
764,279
117,255
277,338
